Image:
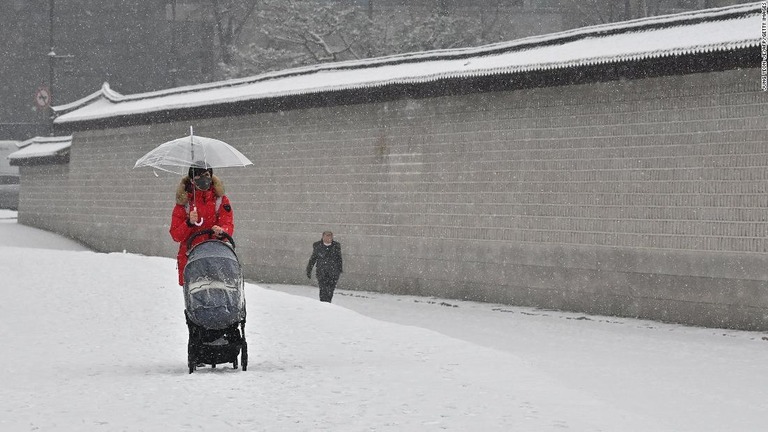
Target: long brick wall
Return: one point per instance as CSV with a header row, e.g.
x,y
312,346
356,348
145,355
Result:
x,y
638,198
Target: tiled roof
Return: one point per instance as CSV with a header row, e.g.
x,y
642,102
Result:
x,y
721,29
39,147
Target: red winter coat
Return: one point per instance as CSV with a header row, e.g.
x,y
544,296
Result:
x,y
205,201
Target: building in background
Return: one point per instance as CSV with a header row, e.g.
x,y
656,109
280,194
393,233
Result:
x,y
9,176
60,51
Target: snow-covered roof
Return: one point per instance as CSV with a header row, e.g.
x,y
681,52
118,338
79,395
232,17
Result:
x,y
41,147
721,29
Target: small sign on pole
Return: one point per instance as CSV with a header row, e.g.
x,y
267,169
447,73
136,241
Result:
x,y
42,98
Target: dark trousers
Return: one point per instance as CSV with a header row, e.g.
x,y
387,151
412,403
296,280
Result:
x,y
327,285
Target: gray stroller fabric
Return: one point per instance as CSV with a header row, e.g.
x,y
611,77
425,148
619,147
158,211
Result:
x,y
213,286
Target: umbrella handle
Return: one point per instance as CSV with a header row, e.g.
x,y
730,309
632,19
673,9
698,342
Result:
x,y
200,222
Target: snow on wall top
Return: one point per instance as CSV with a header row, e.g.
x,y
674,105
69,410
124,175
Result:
x,y
41,147
720,29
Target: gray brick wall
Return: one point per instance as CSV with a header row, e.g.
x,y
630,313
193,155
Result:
x,y
637,198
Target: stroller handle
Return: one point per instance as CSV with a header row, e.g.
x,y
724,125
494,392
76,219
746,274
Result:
x,y
209,232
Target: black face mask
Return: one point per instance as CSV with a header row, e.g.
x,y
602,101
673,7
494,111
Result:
x,y
203,182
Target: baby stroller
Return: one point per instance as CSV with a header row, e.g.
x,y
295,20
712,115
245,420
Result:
x,y
215,303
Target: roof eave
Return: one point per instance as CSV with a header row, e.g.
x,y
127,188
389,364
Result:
x,y
60,158
712,61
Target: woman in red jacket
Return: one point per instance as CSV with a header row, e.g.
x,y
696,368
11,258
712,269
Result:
x,y
200,205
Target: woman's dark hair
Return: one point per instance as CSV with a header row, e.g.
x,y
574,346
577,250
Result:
x,y
198,168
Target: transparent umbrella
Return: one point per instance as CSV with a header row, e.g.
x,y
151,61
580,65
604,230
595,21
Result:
x,y
178,155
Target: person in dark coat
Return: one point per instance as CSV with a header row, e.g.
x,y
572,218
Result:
x,y
326,254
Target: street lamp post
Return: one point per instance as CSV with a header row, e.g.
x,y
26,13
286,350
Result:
x,y
51,61
52,57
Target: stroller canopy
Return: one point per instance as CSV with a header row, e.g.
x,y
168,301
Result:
x,y
213,286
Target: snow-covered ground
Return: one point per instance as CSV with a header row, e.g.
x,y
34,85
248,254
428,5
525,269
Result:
x,y
97,342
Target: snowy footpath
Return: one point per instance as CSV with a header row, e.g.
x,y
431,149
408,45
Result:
x,y
97,342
